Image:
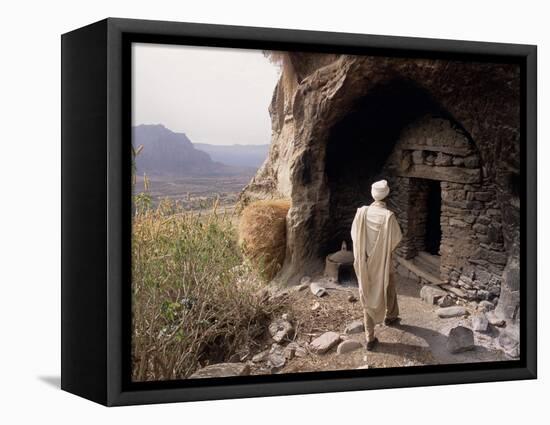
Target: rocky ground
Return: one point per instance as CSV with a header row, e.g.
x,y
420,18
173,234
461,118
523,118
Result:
x,y
323,330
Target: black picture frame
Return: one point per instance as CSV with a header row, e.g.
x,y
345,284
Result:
x,y
96,99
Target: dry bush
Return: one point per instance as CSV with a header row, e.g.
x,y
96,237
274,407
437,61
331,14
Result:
x,y
262,235
193,300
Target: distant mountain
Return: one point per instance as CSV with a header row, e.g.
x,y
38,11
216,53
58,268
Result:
x,y
168,153
236,155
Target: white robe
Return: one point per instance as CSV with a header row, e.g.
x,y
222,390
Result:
x,y
375,234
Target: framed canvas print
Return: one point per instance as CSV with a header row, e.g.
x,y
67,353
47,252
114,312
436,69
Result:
x,y
252,212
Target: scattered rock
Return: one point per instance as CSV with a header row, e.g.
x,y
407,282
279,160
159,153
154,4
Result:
x,y
457,291
455,311
365,366
261,356
348,345
306,280
324,343
280,329
300,351
494,320
460,339
294,349
317,289
352,298
220,370
446,301
355,327
483,294
486,306
301,287
480,323
316,305
276,358
509,343
431,294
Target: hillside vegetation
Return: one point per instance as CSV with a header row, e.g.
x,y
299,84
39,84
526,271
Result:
x,y
194,301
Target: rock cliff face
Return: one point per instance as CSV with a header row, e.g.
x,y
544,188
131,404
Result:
x,y
340,122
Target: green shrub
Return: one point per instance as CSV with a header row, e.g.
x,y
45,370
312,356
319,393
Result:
x,y
193,300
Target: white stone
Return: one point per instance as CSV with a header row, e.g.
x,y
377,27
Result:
x,y
355,327
220,370
324,343
280,329
494,320
455,311
431,294
480,323
486,306
317,289
261,356
348,345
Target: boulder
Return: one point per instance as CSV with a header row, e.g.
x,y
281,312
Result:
x,y
221,370
432,294
460,339
355,327
508,341
294,350
348,346
324,343
276,357
447,312
317,289
494,319
280,329
480,323
457,291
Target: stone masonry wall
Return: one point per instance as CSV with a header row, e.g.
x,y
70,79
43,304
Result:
x,y
472,250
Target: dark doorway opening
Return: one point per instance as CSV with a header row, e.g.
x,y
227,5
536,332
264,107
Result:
x,y
433,218
359,145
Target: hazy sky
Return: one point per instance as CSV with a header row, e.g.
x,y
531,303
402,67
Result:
x,y
214,95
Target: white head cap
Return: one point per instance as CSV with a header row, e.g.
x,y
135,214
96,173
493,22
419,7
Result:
x,y
380,190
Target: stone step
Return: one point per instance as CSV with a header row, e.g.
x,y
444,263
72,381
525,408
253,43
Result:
x,y
419,271
426,266
433,260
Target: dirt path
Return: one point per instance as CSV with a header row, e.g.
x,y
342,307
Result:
x,y
419,339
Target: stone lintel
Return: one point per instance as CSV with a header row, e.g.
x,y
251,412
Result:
x,y
451,150
449,174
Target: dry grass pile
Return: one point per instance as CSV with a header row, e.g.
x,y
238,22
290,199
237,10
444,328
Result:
x,y
262,235
193,300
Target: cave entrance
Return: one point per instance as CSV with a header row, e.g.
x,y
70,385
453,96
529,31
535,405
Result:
x,y
359,146
432,238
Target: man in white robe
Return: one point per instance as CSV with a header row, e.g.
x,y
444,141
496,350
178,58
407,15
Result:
x,y
375,233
